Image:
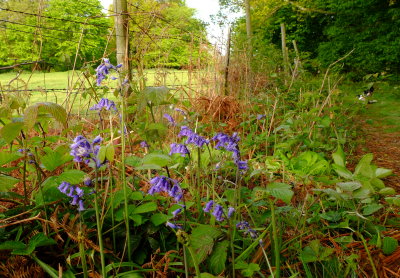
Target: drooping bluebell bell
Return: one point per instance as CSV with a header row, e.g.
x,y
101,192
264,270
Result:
x,y
144,144
173,226
208,206
87,181
230,143
192,137
74,192
168,185
106,104
84,151
245,226
170,120
260,116
178,148
176,212
218,212
231,211
104,69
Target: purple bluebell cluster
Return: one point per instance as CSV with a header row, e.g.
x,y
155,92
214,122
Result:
x,y
192,137
104,69
179,148
218,210
230,143
168,185
75,192
104,103
84,151
144,144
170,120
245,226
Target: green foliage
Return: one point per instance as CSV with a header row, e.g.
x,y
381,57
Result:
x,y
389,245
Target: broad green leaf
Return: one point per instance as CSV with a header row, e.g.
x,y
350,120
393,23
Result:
x,y
11,245
10,131
315,252
7,157
372,208
133,161
31,113
101,155
377,183
156,159
148,167
389,245
159,218
342,171
218,257
37,240
202,240
110,152
146,207
137,218
393,200
362,193
72,176
382,173
53,160
155,95
349,186
387,191
364,166
49,190
7,182
339,157
281,191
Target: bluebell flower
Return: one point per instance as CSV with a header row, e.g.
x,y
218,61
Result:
x,y
180,111
218,212
170,119
74,192
230,143
103,70
176,212
144,144
168,185
106,104
192,137
87,181
245,226
208,206
173,226
260,116
178,148
231,210
84,151
81,206
64,186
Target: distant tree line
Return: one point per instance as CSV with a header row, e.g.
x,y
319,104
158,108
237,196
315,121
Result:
x,y
63,33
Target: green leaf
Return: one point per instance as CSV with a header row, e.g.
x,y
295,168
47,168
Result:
x,y
110,152
31,113
349,186
377,183
159,218
339,157
342,171
101,155
389,245
372,208
133,161
158,159
7,157
382,173
364,166
10,131
280,191
315,252
146,207
387,191
72,176
155,95
53,160
202,240
218,257
11,245
7,182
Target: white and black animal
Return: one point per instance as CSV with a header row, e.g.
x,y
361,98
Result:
x,y
366,94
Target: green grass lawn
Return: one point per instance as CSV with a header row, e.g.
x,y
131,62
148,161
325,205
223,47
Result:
x,y
41,82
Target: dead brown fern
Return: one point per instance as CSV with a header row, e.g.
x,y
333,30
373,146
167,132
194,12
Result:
x,y
20,267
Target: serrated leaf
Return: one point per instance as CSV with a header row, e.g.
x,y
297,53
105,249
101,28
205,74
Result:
x,y
389,245
146,207
56,111
7,182
382,173
155,95
372,208
281,191
342,171
364,166
218,257
349,186
10,131
53,160
159,218
72,176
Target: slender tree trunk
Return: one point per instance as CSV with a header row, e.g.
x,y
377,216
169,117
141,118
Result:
x,y
122,35
284,49
249,45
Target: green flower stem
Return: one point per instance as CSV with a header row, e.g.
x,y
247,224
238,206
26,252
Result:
x,y
232,232
369,255
99,226
195,263
82,254
277,251
123,178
